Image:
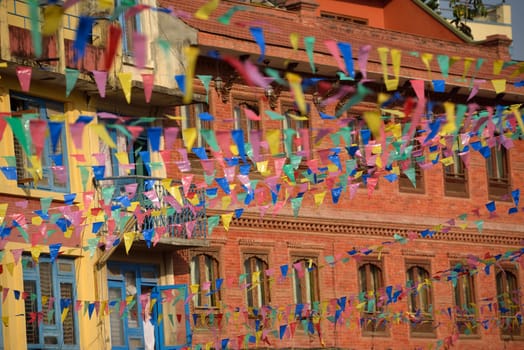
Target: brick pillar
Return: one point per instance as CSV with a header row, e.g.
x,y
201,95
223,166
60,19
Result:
x,y
307,9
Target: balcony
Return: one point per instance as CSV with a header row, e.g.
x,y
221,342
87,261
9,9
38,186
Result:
x,y
58,52
164,215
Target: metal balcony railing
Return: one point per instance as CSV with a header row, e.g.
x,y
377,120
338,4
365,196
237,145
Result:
x,y
181,217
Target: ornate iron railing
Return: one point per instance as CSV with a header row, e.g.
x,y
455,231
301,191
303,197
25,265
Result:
x,y
162,208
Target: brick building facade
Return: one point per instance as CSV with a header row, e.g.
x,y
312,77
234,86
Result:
x,y
346,241
352,246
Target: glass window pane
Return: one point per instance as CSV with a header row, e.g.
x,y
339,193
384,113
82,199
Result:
x,y
31,308
65,267
68,324
132,300
116,322
46,290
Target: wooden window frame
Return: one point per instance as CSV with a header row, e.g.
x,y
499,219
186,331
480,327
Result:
x,y
344,18
33,273
240,119
499,183
456,182
509,298
404,184
466,284
368,320
289,123
422,326
264,285
313,287
24,178
204,312
190,119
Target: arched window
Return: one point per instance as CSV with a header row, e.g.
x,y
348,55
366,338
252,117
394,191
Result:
x,y
205,272
258,293
465,300
305,281
420,299
508,297
371,281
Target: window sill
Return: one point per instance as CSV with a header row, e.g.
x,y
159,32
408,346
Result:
x,y
12,188
419,335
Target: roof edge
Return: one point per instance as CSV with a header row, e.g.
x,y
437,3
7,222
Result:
x,y
444,22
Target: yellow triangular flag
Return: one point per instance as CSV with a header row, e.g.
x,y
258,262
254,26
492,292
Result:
x,y
293,38
3,212
319,198
296,88
64,313
129,237
426,59
190,136
207,9
191,53
450,127
499,85
35,253
226,201
52,19
373,121
10,267
102,133
273,138
497,66
125,82
226,220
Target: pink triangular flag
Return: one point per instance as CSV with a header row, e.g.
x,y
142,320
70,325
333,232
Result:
x,y
332,47
100,158
77,131
38,132
135,130
186,183
190,225
101,80
148,81
250,114
170,136
279,163
140,49
24,77
16,254
418,86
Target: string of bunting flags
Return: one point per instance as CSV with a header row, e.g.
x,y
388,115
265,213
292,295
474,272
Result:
x,y
396,131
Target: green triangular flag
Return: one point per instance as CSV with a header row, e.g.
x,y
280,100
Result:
x,y
71,78
288,170
45,203
209,137
410,173
18,130
205,79
309,42
212,222
296,203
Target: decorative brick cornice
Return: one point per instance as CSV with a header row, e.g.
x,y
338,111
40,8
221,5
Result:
x,y
371,229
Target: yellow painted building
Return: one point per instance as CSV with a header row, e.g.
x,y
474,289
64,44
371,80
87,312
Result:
x,y
84,297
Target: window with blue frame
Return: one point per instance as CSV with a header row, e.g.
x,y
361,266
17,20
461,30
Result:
x,y
54,175
126,284
50,288
129,25
124,145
